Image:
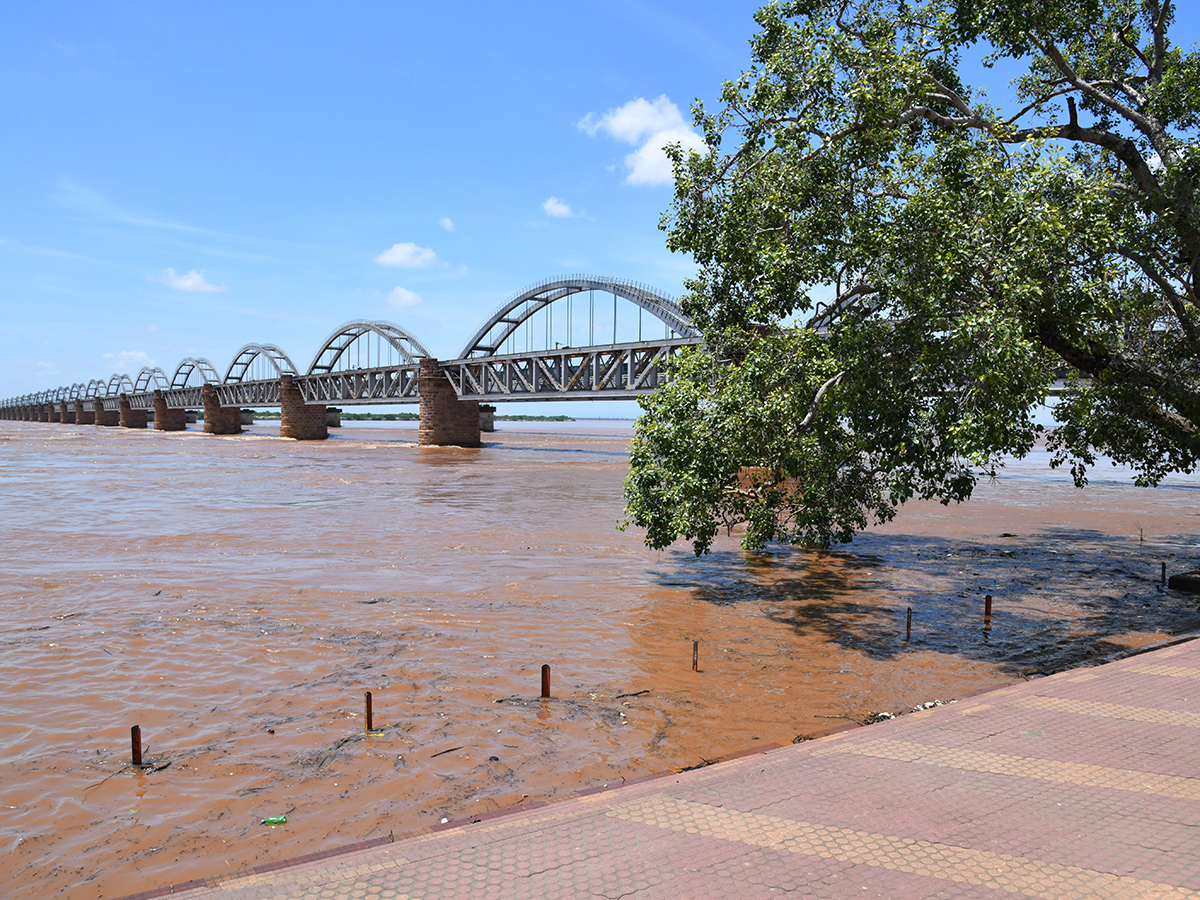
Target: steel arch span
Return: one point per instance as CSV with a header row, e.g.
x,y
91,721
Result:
x,y
245,357
521,306
150,378
119,384
188,367
403,342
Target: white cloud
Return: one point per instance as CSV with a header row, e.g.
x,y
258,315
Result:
x,y
652,125
446,223
402,297
558,209
407,256
130,360
193,281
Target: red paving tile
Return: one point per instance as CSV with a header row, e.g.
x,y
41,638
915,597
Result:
x,y
1084,784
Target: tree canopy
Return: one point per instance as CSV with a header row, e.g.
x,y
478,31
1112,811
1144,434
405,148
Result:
x,y
894,272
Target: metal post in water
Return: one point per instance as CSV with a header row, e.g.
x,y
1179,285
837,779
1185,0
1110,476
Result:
x,y
987,612
1164,573
695,656
370,725
135,739
908,627
546,682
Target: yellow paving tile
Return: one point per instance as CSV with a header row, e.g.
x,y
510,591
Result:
x,y
1112,711
1029,767
1169,671
998,871
304,875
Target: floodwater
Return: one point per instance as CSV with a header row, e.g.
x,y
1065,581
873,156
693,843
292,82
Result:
x,y
235,597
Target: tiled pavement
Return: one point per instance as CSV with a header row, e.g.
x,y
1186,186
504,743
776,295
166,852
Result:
x,y
1082,785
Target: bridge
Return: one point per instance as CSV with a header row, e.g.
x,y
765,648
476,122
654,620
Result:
x,y
519,353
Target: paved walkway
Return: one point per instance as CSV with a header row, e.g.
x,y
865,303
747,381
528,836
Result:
x,y
1082,785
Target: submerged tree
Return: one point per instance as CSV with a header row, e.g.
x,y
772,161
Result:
x,y
894,273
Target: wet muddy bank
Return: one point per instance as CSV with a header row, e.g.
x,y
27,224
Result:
x,y
236,596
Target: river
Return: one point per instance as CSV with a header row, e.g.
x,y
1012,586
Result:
x,y
236,596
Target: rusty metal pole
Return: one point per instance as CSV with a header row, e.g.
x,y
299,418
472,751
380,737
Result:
x,y
370,726
135,740
546,682
695,656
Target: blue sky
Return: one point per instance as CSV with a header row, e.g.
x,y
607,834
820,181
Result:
x,y
182,179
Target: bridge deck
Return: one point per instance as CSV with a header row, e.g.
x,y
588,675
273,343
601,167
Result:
x,y
1084,784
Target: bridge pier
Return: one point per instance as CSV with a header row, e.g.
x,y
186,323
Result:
x,y
297,420
219,419
446,421
43,412
333,417
487,417
130,417
51,412
84,415
107,417
165,418
65,413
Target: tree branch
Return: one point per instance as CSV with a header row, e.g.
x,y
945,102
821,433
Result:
x,y
1095,362
1186,322
1158,26
812,410
1148,126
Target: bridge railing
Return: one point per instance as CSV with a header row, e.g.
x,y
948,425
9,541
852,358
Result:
x,y
612,372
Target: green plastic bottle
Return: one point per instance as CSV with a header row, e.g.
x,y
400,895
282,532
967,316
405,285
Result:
x,y
275,820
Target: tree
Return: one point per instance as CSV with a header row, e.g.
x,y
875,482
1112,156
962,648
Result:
x,y
893,273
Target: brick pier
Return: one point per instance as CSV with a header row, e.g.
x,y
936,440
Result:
x,y
445,420
165,418
298,420
107,417
130,417
219,419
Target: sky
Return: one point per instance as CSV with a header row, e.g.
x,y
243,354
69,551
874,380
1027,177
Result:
x,y
183,179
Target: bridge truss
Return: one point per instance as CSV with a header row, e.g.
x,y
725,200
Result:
x,y
613,371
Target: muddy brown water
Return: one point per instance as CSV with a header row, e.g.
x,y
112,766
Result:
x,y
235,596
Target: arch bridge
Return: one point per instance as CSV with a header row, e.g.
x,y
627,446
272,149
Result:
x,y
578,337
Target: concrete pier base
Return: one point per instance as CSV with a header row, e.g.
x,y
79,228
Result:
x,y
297,420
84,414
445,420
333,417
66,415
487,417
